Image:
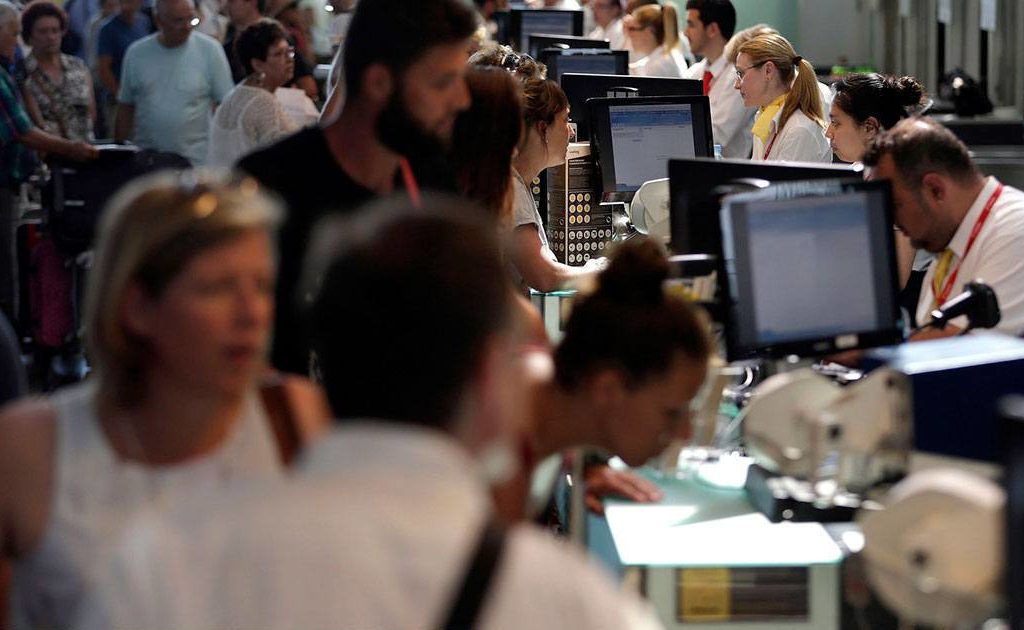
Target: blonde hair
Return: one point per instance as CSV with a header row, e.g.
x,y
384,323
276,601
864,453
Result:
x,y
147,235
803,92
732,48
661,18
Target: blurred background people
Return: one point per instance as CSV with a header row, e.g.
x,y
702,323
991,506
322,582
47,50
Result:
x,y
653,32
58,87
608,16
116,34
250,116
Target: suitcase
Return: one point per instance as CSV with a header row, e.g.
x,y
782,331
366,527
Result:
x,y
78,192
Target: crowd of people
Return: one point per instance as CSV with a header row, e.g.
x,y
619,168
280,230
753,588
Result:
x,y
318,391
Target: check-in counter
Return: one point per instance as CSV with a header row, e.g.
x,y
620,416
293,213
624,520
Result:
x,y
703,555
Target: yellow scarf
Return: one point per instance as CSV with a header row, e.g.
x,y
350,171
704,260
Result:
x,y
763,122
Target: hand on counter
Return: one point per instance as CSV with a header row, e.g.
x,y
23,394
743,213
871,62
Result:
x,y
602,480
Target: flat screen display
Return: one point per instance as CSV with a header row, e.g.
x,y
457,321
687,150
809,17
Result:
x,y
810,269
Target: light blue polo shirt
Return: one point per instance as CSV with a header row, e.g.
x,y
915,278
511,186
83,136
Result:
x,y
174,91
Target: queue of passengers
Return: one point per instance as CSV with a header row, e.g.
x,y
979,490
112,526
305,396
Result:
x,y
386,252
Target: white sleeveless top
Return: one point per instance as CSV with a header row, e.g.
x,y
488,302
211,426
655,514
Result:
x,y
96,494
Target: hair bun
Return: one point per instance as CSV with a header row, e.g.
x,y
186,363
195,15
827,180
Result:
x,y
636,273
909,89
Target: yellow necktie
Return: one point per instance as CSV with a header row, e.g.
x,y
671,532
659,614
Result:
x,y
763,122
941,271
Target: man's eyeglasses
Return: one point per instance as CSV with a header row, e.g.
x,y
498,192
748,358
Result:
x,y
741,72
512,61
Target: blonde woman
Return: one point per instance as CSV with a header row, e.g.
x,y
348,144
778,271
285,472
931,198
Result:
x,y
178,314
790,122
653,32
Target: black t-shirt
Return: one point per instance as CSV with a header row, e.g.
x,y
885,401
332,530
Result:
x,y
304,173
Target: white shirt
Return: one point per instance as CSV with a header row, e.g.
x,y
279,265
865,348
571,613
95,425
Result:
x,y
996,258
96,494
801,140
730,120
660,63
374,533
614,33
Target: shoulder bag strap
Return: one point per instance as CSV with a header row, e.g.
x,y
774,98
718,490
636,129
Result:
x,y
477,580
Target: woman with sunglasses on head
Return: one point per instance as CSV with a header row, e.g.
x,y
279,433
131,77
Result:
x,y
251,116
653,32
790,122
178,313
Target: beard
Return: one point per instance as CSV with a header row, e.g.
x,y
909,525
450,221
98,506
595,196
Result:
x,y
403,134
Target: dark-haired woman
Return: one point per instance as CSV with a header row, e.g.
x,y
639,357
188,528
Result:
x,y
865,104
58,86
632,358
250,115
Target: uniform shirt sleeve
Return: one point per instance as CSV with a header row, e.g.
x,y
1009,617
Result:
x,y
801,143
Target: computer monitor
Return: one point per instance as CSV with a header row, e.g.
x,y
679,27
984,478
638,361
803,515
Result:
x,y
810,269
696,186
540,41
526,22
634,138
584,61
579,88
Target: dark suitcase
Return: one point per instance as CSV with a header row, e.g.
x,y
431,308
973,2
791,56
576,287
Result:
x,y
78,192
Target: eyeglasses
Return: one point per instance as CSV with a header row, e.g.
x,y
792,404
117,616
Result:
x,y
512,61
741,72
287,53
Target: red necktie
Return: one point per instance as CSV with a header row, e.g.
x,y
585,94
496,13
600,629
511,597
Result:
x,y
707,82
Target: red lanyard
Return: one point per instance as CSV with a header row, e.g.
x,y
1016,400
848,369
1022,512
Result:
x,y
941,298
411,187
771,144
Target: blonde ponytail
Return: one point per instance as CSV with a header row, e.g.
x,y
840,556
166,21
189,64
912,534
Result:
x,y
804,95
671,26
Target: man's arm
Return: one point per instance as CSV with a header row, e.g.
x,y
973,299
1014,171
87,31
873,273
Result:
x,y
106,72
124,122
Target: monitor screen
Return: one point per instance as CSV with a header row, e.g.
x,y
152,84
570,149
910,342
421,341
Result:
x,y
526,22
695,187
579,88
584,61
810,268
635,138
538,42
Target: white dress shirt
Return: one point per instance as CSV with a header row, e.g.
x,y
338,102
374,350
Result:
x,y
373,532
801,140
730,120
996,258
614,33
660,63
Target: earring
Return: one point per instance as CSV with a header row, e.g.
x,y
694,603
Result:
x,y
261,77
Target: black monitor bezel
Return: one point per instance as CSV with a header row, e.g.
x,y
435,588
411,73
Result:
x,y
737,350
580,88
601,142
695,178
621,59
540,41
515,26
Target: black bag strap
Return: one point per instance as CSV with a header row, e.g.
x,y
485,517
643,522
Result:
x,y
477,580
